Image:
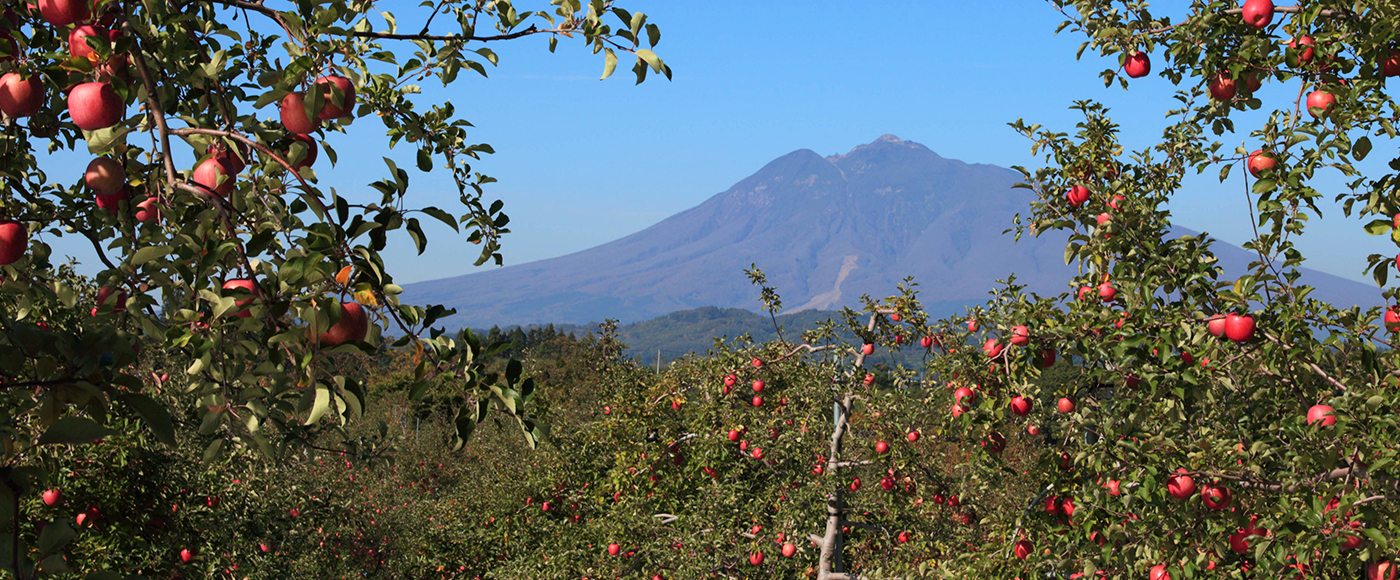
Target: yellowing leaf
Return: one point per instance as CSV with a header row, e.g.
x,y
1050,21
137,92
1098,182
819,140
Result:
x,y
343,278
366,298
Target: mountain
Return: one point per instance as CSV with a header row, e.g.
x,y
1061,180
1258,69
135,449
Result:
x,y
824,229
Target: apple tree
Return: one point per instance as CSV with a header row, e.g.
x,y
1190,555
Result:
x,y
1214,424
202,124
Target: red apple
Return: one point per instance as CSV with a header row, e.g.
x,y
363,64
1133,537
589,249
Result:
x,y
64,12
77,41
730,380
112,201
972,326
1020,336
1023,549
1065,405
1239,328
1181,486
758,453
613,549
758,386
213,175
1077,195
1047,358
1113,486
233,160
1084,292
789,550
1159,572
1392,317
353,325
995,443
757,401
308,157
336,108
148,210
882,447
733,435
926,342
913,436
1257,13
1261,161
1137,65
756,363
756,558
186,555
1215,497
1321,414
958,410
20,96
1320,103
118,303
265,547
1222,87
1032,430
1107,292
105,175
867,349
14,241
992,348
293,111
962,393
855,484
246,285
1021,406
1305,53
95,106
52,497
1390,65
1380,570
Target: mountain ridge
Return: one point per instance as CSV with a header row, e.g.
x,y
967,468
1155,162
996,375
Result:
x,y
825,230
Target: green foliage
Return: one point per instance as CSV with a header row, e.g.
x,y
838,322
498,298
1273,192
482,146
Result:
x,y
233,295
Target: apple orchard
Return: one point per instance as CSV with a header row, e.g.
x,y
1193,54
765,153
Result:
x,y
240,393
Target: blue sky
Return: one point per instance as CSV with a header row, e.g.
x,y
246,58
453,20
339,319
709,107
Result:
x,y
581,162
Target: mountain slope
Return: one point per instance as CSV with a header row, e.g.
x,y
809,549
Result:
x,y
824,229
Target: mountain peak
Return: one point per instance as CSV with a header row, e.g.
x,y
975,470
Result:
x,y
884,143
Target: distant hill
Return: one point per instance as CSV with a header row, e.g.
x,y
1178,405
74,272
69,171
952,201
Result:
x,y
694,331
825,230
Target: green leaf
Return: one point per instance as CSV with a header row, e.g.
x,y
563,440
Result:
x,y
1379,227
609,63
55,536
651,59
320,406
156,416
74,431
102,140
415,231
1361,148
149,253
212,451
425,160
442,216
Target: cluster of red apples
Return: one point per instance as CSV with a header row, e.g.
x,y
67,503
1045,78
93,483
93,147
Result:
x,y
94,105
